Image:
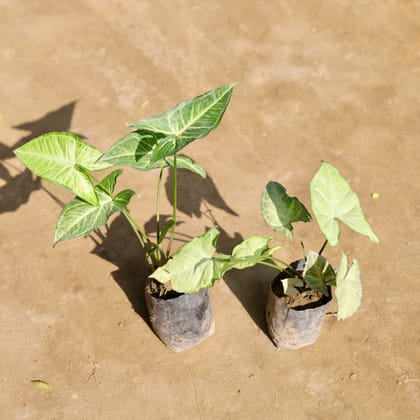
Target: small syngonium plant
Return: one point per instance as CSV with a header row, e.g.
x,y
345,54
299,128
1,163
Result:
x,y
332,201
66,160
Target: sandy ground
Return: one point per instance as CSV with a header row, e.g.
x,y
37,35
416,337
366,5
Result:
x,y
318,80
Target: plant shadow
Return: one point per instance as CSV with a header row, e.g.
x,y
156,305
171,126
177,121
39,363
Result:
x,y
16,189
193,192
120,246
250,286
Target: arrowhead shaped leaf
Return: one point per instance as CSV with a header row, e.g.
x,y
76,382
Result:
x,y
318,273
136,150
332,200
349,289
64,159
189,120
279,210
122,199
79,218
184,162
247,254
108,183
191,267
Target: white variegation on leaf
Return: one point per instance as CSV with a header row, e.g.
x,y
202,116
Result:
x,y
333,200
196,265
64,159
187,121
79,218
136,149
247,254
349,288
191,267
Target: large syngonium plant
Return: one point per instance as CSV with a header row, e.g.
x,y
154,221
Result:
x,y
66,160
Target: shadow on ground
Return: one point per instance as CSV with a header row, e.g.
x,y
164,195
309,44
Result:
x,y
194,192
251,288
18,188
119,245
196,196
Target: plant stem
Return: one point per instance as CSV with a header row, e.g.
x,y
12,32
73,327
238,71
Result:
x,y
141,236
267,264
158,239
288,266
323,247
158,206
171,239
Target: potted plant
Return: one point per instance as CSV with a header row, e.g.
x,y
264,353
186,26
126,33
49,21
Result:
x,y
300,294
177,287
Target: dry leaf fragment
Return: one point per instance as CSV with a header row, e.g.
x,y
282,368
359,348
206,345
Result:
x,y
41,385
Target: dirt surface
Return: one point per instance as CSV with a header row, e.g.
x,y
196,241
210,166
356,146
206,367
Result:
x,y
336,81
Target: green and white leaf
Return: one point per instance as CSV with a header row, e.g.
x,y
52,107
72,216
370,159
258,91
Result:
x,y
168,146
333,200
279,210
290,284
79,218
184,162
349,289
64,159
136,150
187,121
108,183
318,273
122,199
191,267
247,254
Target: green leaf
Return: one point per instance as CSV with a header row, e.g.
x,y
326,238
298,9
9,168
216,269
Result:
x,y
122,199
168,225
108,183
136,150
349,289
164,148
318,273
332,200
290,284
189,120
64,159
41,385
184,162
220,265
191,267
247,254
79,218
279,210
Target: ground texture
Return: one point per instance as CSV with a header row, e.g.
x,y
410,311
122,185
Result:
x,y
335,81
